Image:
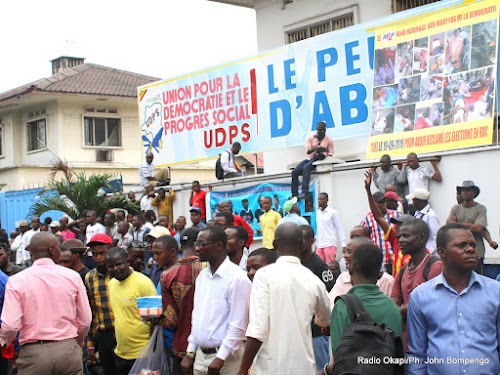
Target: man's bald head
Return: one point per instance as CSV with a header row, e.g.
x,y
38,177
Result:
x,y
288,240
358,241
223,206
44,245
390,187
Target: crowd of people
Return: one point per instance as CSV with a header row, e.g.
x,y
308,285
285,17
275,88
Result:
x,y
69,290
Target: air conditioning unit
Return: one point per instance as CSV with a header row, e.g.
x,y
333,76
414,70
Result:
x,y
104,155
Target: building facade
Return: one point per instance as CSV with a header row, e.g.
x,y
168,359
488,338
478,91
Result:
x,y
84,114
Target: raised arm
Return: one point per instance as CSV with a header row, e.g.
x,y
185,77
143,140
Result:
x,y
377,214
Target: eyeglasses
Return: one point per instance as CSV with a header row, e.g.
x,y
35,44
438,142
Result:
x,y
203,244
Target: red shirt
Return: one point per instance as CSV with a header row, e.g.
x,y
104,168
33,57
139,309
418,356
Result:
x,y
401,290
399,260
177,292
199,201
410,281
239,221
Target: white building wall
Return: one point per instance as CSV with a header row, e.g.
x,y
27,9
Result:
x,y
72,141
273,19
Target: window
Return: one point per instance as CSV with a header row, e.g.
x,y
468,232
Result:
x,y
37,134
1,140
400,5
102,132
332,24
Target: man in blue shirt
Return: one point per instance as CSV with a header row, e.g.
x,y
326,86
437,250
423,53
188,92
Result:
x,y
292,212
454,319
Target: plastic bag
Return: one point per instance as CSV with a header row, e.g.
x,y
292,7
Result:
x,y
153,359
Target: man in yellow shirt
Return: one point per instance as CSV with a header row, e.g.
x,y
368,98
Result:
x,y
164,202
132,334
268,222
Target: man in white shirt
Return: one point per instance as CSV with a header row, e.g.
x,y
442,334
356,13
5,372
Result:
x,y
18,245
147,198
147,173
220,312
35,228
424,211
328,227
418,177
285,297
227,161
147,170
93,227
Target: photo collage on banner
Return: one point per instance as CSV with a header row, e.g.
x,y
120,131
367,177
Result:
x,y
246,203
441,79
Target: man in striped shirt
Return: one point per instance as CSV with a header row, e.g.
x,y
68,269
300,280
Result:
x,y
102,332
377,233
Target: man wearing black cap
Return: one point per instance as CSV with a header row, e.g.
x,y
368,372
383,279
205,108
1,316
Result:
x,y
177,311
473,216
196,218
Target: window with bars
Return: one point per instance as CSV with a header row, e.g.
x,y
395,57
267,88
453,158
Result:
x,y
332,24
37,134
102,131
400,5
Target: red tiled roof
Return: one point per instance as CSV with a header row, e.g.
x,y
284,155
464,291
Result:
x,y
88,79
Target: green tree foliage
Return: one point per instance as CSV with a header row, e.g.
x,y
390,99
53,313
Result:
x,y
75,193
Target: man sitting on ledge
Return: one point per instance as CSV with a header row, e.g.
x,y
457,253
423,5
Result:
x,y
318,146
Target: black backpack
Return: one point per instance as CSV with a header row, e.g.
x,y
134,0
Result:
x,y
219,172
379,346
427,269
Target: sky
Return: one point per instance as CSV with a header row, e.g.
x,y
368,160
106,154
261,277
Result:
x,y
159,38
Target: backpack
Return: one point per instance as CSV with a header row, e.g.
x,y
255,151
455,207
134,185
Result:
x,y
219,172
364,338
426,271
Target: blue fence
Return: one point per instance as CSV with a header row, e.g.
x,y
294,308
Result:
x,y
15,206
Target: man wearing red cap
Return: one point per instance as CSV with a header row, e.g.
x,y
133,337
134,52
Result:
x,y
393,201
102,331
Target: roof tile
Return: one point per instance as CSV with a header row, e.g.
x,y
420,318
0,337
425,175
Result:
x,y
88,79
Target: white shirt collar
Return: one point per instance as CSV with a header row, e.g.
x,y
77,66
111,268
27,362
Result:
x,y
288,259
222,268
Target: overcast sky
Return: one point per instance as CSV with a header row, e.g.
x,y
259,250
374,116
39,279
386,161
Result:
x,y
160,38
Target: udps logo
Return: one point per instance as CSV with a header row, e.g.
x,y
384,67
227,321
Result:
x,y
388,36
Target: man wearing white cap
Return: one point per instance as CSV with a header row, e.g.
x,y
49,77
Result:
x,y
424,211
18,244
291,211
55,227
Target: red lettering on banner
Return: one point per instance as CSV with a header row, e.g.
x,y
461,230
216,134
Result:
x,y
245,132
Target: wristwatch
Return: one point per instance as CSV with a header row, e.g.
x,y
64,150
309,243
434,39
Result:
x,y
190,354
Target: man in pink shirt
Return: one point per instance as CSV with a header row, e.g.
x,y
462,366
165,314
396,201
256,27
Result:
x,y
48,306
344,284
318,146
